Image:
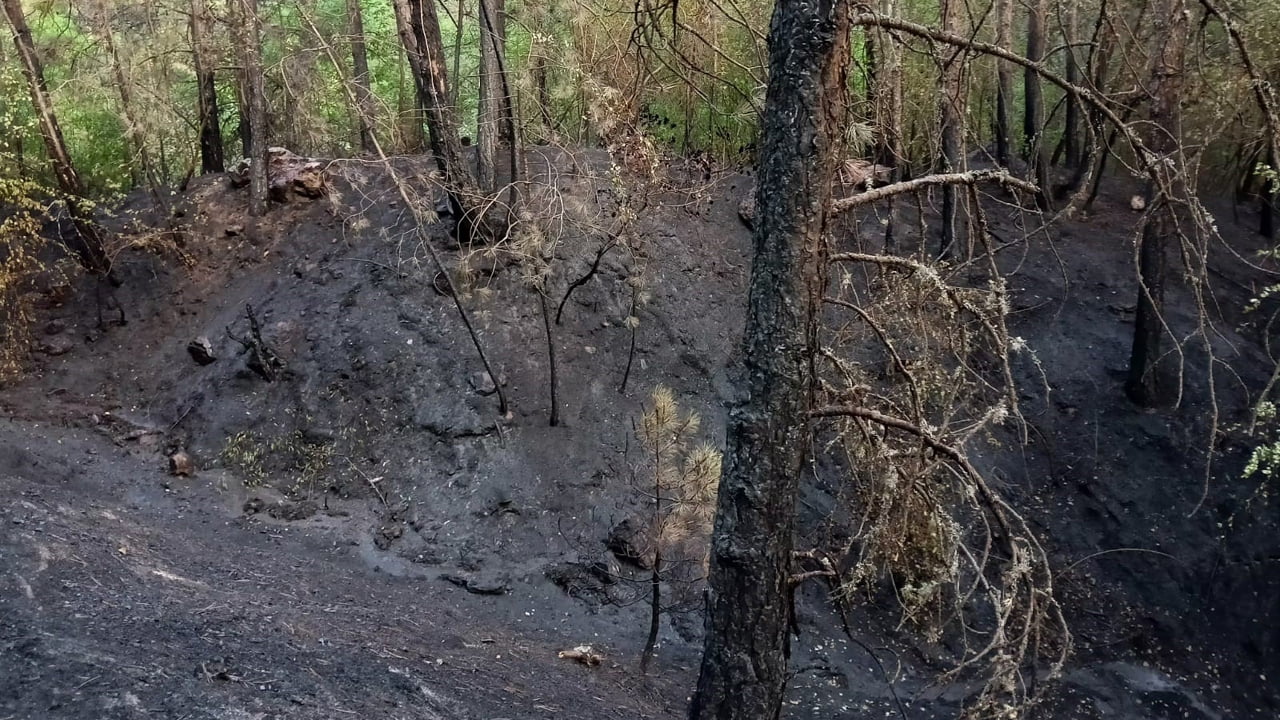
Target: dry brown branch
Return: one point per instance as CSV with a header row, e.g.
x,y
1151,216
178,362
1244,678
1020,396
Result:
x,y
908,186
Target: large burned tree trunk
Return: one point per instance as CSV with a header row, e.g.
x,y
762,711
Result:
x,y
212,156
1147,384
90,249
419,27
744,666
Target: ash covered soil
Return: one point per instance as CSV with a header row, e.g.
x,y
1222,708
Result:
x,y
366,536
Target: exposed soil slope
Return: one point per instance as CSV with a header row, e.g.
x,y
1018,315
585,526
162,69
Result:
x,y
366,537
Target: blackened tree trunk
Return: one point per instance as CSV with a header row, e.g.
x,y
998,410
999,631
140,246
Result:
x,y
419,28
92,253
1033,115
1004,84
212,156
1095,73
360,77
744,665
255,101
886,94
1267,214
1147,384
1071,127
951,111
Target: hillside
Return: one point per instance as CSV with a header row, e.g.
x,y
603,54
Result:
x,y
366,536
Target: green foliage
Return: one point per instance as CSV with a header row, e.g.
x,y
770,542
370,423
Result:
x,y
23,264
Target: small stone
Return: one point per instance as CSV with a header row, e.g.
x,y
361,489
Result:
x,y
482,584
1137,203
482,383
234,230
55,326
201,350
57,345
388,534
318,435
181,464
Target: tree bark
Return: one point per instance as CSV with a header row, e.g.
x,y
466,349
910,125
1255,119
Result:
x,y
419,28
1033,115
489,107
1147,384
1267,209
1092,165
886,93
250,40
91,250
1071,125
1004,84
212,155
360,76
951,110
744,665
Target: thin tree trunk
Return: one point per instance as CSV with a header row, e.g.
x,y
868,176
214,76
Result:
x,y
1147,384
457,53
360,78
655,573
1094,163
887,93
1004,84
1033,115
250,32
496,16
539,71
887,112
1071,125
141,165
489,105
951,109
744,665
551,361
655,613
91,250
1267,214
212,156
419,27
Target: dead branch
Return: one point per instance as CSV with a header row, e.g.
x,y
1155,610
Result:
x,y
997,506
961,178
595,267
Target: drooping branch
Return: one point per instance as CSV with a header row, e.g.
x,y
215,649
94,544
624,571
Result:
x,y
998,507
908,186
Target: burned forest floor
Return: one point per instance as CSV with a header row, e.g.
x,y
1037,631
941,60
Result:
x,y
364,534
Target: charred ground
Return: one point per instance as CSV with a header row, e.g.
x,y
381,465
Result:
x,y
365,536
